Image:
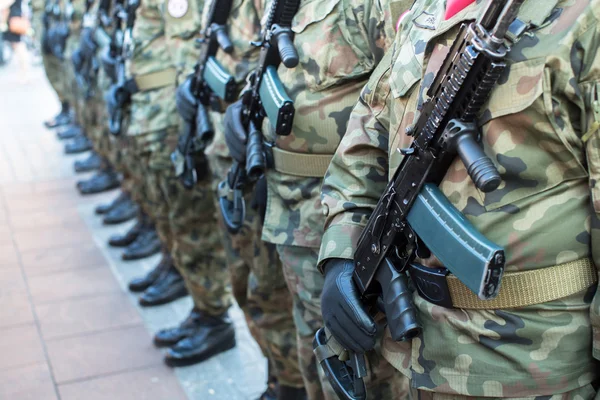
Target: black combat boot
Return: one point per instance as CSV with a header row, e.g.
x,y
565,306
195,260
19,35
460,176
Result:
x,y
272,387
141,284
127,238
168,287
145,245
123,212
101,182
291,393
93,162
106,207
170,337
62,118
70,131
213,335
79,144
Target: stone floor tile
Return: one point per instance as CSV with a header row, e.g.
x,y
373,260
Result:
x,y
45,220
85,315
20,345
15,308
88,356
66,284
8,256
30,382
60,258
48,239
156,383
45,201
11,279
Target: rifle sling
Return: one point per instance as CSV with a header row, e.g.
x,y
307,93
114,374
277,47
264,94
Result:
x,y
153,80
524,288
301,164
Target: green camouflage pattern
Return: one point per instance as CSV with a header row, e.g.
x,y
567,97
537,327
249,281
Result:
x,y
182,31
151,110
256,272
532,129
190,218
339,43
55,73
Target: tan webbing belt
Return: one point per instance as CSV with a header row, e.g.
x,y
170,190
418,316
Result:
x,y
301,164
524,288
155,80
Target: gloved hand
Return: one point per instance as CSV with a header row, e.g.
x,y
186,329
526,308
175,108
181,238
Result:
x,y
187,104
87,44
115,98
77,60
236,135
109,65
343,311
58,40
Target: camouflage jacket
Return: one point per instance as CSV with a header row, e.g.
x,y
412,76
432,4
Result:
x,y
339,43
243,28
533,128
152,110
182,25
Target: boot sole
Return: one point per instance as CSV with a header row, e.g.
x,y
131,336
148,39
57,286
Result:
x,y
120,244
104,189
183,362
118,221
139,257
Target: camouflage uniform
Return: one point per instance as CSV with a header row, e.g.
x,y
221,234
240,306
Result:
x,y
339,43
74,93
53,67
185,220
533,127
256,272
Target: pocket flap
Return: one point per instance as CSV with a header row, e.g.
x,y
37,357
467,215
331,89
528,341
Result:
x,y
518,87
311,12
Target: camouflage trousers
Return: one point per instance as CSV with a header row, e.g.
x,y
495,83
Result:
x,y
305,283
186,221
260,290
57,76
74,92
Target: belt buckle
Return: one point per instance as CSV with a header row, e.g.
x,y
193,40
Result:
x,y
431,284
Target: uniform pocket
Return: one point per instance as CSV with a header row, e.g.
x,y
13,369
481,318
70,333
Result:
x,y
321,33
523,135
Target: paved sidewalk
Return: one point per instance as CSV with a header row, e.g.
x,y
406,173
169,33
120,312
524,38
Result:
x,y
68,328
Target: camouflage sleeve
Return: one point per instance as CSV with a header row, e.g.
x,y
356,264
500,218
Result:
x,y
358,172
589,87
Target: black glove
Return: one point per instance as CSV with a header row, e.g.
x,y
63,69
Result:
x,y
115,98
187,104
236,135
343,311
109,65
87,44
77,60
58,40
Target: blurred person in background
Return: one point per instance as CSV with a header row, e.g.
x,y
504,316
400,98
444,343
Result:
x,y
12,15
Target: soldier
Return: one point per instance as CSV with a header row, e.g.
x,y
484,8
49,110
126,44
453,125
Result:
x,y
339,44
256,274
188,229
540,127
44,20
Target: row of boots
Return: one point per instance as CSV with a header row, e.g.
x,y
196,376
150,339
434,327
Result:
x,y
200,336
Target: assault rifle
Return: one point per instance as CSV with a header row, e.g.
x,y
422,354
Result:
x,y
122,51
210,82
266,97
413,217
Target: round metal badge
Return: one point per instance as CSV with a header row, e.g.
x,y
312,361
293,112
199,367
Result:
x,y
177,8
